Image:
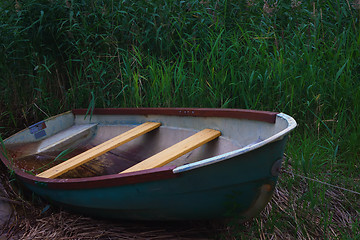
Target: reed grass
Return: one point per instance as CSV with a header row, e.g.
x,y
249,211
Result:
x,y
301,58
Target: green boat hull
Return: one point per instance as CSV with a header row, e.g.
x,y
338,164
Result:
x,y
240,187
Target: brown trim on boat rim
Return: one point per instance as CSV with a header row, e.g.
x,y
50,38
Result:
x,y
263,116
93,182
101,181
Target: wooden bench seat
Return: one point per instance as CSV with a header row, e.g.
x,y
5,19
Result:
x,y
98,150
175,151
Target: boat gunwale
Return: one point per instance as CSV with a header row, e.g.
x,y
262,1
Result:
x,y
278,136
149,175
161,173
264,116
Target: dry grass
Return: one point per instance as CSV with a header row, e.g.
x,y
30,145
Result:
x,y
289,215
59,224
63,225
292,215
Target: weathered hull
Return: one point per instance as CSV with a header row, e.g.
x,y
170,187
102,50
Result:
x,y
240,185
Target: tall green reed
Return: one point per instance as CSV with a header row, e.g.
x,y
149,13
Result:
x,y
300,59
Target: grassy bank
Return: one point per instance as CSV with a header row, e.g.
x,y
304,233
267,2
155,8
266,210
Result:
x,y
301,58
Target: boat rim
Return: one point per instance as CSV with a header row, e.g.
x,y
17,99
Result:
x,y
205,162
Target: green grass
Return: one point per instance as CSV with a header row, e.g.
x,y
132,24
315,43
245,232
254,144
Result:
x,y
302,60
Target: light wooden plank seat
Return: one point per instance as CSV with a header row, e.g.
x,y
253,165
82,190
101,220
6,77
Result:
x,y
175,151
98,150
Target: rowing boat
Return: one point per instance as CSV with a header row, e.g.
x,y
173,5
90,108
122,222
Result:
x,y
153,163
